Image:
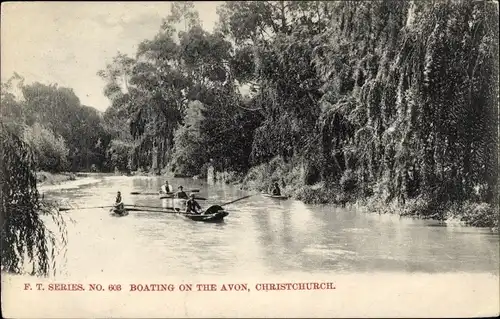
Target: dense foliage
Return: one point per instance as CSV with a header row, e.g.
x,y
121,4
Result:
x,y
391,99
156,90
50,151
419,113
64,134
25,240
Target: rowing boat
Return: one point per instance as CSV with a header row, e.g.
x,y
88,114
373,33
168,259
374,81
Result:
x,y
213,214
275,196
116,212
207,218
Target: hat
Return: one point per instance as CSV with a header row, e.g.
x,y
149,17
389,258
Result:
x,y
192,195
180,187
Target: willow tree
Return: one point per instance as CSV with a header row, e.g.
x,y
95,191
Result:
x,y
26,242
415,82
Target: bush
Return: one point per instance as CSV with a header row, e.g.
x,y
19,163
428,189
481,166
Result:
x,y
189,152
424,206
348,181
320,194
473,214
119,154
50,150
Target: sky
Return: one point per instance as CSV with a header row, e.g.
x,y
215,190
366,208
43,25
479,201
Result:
x,y
67,43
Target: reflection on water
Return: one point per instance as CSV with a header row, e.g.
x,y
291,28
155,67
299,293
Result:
x,y
260,235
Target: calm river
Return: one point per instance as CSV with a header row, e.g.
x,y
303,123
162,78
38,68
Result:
x,y
260,235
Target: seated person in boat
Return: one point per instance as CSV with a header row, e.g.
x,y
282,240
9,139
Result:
x,y
118,202
166,188
181,194
192,206
276,190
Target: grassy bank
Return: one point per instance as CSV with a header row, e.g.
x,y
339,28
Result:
x,y
292,179
467,213
46,178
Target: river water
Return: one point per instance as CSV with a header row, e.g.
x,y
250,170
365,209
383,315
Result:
x,y
380,266
260,235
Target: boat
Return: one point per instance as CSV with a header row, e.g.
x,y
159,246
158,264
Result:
x,y
213,214
208,218
116,212
276,196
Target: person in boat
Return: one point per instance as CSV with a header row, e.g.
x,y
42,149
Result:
x,y
181,194
166,188
192,206
119,206
276,190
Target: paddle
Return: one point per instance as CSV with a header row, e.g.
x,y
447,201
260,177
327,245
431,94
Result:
x,y
173,210
146,206
158,210
171,196
158,193
237,200
217,207
63,209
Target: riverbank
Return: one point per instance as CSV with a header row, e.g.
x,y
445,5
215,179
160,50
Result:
x,y
46,178
65,180
291,178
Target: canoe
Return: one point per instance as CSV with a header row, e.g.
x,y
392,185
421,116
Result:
x,y
207,218
275,196
213,214
119,212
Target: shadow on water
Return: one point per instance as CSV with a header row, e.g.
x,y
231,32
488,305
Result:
x,y
260,235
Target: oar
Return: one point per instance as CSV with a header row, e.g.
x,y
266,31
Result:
x,y
225,204
237,200
158,193
158,210
174,210
171,196
140,193
63,209
145,206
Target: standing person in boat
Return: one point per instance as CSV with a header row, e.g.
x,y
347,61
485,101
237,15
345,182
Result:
x,y
167,188
276,190
192,206
179,201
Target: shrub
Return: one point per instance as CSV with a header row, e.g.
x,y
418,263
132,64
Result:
x,y
348,181
473,214
423,206
50,150
119,154
320,194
